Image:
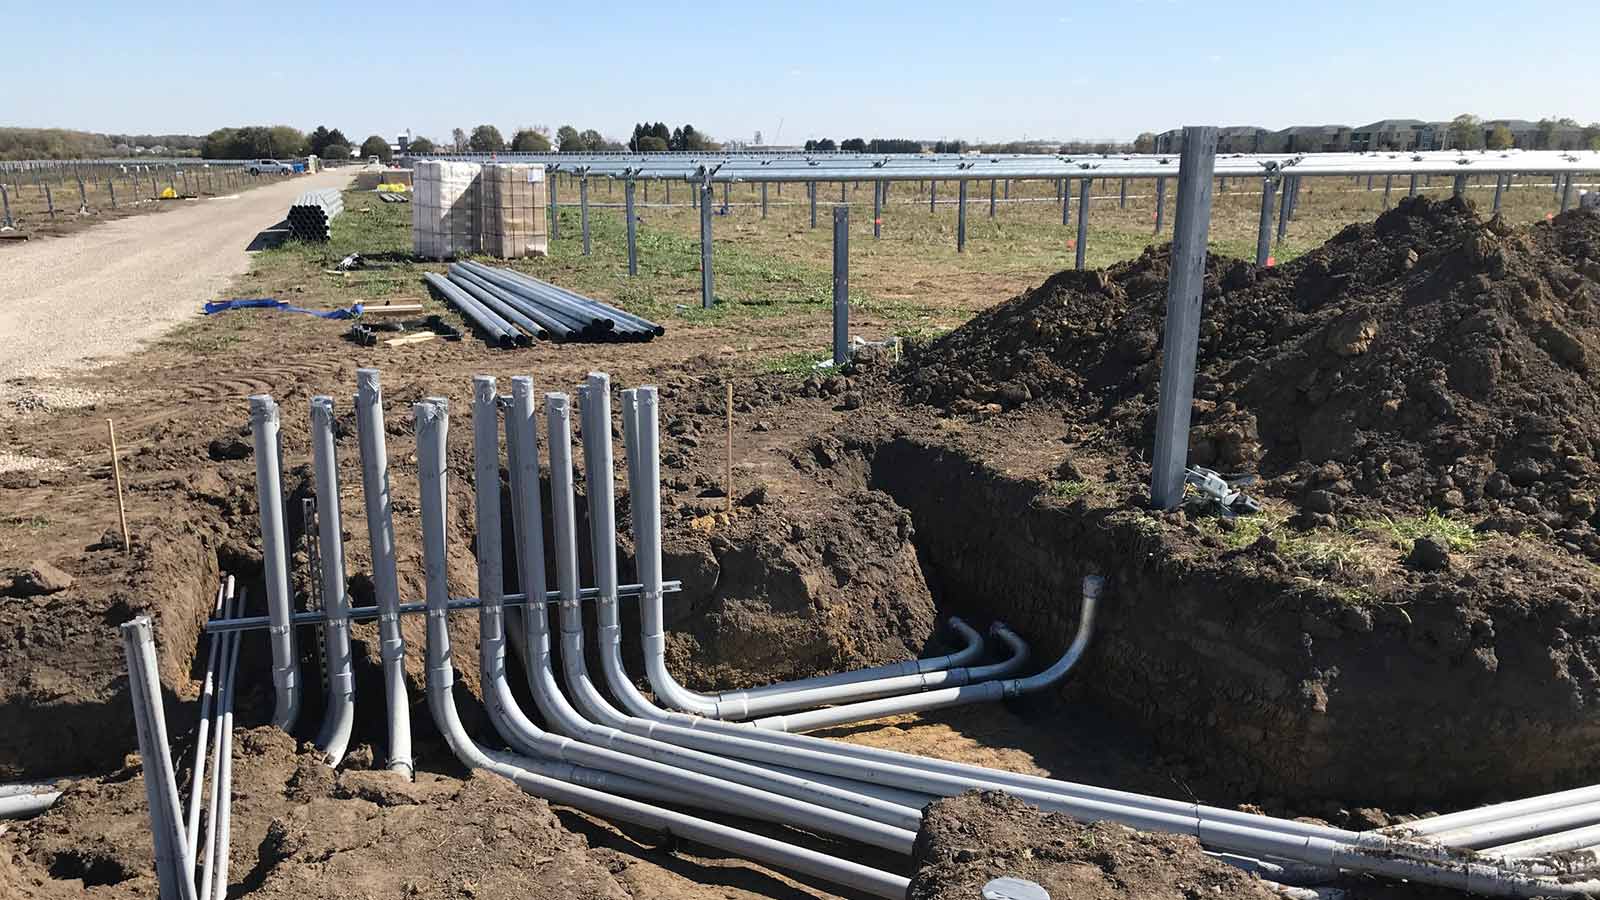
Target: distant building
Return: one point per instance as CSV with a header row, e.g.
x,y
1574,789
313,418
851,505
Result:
x,y
1386,134
1241,139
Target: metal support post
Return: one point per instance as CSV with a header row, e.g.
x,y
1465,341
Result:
x,y
583,211
555,209
1412,190
49,201
1122,193
706,200
1499,188
1264,227
726,203
1459,188
841,194
811,196
1161,204
933,193
961,216
5,203
1283,207
1083,222
633,228
763,199
1566,193
1294,196
841,286
1065,196
1005,190
1185,285
877,209
1388,185
991,197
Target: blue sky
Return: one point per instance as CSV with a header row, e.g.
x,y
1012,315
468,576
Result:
x,y
931,69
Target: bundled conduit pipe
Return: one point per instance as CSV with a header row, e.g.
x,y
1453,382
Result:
x,y
618,762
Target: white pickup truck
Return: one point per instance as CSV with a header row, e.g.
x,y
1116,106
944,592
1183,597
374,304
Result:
x,y
269,167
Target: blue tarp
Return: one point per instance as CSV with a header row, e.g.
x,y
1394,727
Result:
x,y
216,306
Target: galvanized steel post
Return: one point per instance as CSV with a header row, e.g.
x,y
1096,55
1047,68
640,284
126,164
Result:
x,y
1083,223
1122,193
1458,189
933,193
763,199
706,200
842,198
1065,196
583,210
633,228
961,216
1283,207
5,202
1264,226
49,201
726,204
811,196
1161,203
877,208
1499,188
1185,285
555,209
1388,185
1566,193
841,286
1412,191
991,198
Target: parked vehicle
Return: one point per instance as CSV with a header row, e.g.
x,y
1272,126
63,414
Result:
x,y
269,167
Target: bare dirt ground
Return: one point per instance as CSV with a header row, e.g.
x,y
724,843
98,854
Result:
x,y
100,292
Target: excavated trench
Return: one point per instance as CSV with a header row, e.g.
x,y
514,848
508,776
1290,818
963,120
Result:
x,y
1278,699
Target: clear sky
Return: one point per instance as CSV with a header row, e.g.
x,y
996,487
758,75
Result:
x,y
929,69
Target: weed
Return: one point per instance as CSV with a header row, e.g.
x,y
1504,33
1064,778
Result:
x,y
1457,535
1071,489
798,364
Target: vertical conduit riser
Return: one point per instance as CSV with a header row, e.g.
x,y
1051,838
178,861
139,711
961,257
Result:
x,y
334,737
379,502
174,864
264,426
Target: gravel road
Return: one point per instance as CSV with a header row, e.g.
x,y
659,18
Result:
x,y
102,291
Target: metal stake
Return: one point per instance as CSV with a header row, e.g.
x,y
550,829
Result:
x,y
705,244
49,201
1264,227
1185,284
583,211
841,286
633,229
961,216
1083,222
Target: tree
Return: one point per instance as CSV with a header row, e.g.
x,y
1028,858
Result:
x,y
660,130
318,139
1499,138
1145,142
854,145
376,146
253,141
530,140
568,140
336,151
758,137
1591,136
459,138
1466,132
651,144
592,140
893,145
487,139
949,146
419,145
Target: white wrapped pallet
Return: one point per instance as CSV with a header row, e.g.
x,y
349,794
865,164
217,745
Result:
x,y
446,209
514,200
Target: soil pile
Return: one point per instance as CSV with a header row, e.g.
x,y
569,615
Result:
x,y
1427,359
966,841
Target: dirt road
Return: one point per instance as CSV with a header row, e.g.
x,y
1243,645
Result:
x,y
102,291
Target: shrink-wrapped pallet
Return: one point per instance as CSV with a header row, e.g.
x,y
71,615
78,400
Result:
x,y
446,219
514,199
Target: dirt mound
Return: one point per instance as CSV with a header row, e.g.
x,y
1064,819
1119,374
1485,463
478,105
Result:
x,y
1429,358
966,841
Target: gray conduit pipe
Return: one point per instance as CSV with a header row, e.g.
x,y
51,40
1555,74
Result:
x,y
977,688
269,500
1560,842
972,642
221,763
1517,828
1496,812
23,805
432,424
340,716
1243,833
202,742
782,798
174,866
386,584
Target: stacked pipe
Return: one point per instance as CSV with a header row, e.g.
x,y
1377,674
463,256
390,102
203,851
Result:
x,y
619,756
311,214
511,307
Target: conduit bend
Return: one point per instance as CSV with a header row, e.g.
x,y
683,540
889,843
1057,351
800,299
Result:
x,y
685,774
340,716
532,776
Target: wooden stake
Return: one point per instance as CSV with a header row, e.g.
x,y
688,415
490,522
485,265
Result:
x,y
729,470
116,471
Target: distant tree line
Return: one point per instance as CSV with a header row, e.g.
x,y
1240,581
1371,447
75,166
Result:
x,y
655,138
62,143
876,145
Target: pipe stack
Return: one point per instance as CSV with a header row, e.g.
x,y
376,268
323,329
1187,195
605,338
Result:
x,y
311,214
512,307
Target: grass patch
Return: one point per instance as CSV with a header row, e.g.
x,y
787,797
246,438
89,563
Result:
x,y
33,523
798,364
1071,489
1457,535
1338,552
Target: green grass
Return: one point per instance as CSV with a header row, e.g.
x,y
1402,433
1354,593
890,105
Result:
x,y
1336,551
798,364
33,523
1070,490
1457,535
